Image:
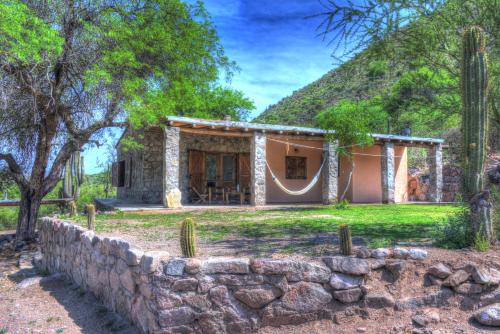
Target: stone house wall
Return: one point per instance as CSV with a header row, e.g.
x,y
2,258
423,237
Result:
x,y
164,294
146,165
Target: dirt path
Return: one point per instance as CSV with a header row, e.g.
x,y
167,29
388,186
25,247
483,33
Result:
x,y
30,303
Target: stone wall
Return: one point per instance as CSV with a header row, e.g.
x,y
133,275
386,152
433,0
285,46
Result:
x,y
146,165
205,143
164,294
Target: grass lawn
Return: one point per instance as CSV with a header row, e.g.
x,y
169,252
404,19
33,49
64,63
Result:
x,y
390,222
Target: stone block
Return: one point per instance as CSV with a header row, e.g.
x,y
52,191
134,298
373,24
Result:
x,y
379,300
306,297
175,267
293,270
257,298
347,265
339,281
348,296
225,266
152,259
186,284
176,317
440,270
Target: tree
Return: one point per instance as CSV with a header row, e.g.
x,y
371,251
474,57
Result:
x,y
71,69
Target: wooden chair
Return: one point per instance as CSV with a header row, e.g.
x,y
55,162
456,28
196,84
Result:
x,y
201,198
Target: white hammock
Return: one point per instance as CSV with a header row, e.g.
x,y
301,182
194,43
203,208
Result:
x,y
297,192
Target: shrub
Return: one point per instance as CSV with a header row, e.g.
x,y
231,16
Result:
x,y
380,243
342,205
456,232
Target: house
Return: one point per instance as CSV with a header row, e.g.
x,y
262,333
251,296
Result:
x,y
223,162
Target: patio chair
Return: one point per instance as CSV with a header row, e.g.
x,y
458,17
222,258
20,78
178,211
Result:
x,y
201,198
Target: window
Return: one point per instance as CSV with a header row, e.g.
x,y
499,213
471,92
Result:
x,y
296,168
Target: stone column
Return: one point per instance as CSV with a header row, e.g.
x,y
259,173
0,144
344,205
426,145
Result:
x,y
388,177
330,172
170,162
435,159
258,168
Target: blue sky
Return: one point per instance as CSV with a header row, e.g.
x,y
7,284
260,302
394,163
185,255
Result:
x,y
274,44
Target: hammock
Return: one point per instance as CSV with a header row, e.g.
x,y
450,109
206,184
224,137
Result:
x,y
297,192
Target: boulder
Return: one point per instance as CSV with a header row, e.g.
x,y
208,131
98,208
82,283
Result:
x,y
306,297
489,315
490,298
362,252
379,300
469,288
396,268
339,281
440,270
186,284
221,265
380,253
376,263
417,254
456,278
400,253
479,275
193,266
347,265
151,260
348,296
426,318
257,298
293,270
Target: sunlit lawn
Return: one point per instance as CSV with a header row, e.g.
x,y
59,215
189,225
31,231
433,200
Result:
x,y
393,222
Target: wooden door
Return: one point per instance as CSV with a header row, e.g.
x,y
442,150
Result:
x,y
228,164
244,171
197,171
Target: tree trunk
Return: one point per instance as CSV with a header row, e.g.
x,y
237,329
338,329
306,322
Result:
x,y
28,213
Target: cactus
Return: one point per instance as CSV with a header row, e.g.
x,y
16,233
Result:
x,y
188,238
72,208
90,217
345,240
74,176
474,85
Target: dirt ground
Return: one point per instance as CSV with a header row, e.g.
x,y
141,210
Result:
x,y
52,305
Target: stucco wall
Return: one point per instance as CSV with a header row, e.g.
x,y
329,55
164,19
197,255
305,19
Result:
x,y
366,184
276,153
146,183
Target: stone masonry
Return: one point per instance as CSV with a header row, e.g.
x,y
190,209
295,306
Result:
x,y
258,168
164,294
435,159
171,161
330,173
388,177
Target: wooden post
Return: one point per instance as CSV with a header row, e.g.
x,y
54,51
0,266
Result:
x,y
91,217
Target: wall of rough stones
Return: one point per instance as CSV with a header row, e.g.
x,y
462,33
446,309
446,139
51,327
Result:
x,y
143,167
164,294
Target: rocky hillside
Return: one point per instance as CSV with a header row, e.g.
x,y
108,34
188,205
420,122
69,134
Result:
x,y
360,78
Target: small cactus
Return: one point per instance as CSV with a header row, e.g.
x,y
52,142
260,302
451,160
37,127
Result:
x,y
91,217
188,238
345,240
72,209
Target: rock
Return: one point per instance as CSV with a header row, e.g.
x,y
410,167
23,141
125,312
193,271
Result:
x,y
127,281
361,329
205,283
193,266
380,253
347,265
178,316
379,300
257,298
173,199
219,295
400,253
220,265
426,318
198,302
456,278
29,282
168,301
133,256
306,297
489,315
340,281
239,280
479,275
469,288
417,254
491,298
440,270
186,284
432,280
293,270
175,267
362,253
151,260
396,268
376,263
348,296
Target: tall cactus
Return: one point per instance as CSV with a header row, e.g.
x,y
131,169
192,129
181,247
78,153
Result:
x,y
474,82
345,240
73,177
188,238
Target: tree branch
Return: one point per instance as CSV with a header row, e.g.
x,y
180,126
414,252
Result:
x,y
14,170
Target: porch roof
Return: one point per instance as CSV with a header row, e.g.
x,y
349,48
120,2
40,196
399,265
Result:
x,y
245,127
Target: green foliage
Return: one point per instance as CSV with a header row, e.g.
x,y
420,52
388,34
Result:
x,y
345,240
342,205
456,232
481,244
188,238
380,243
352,122
377,69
